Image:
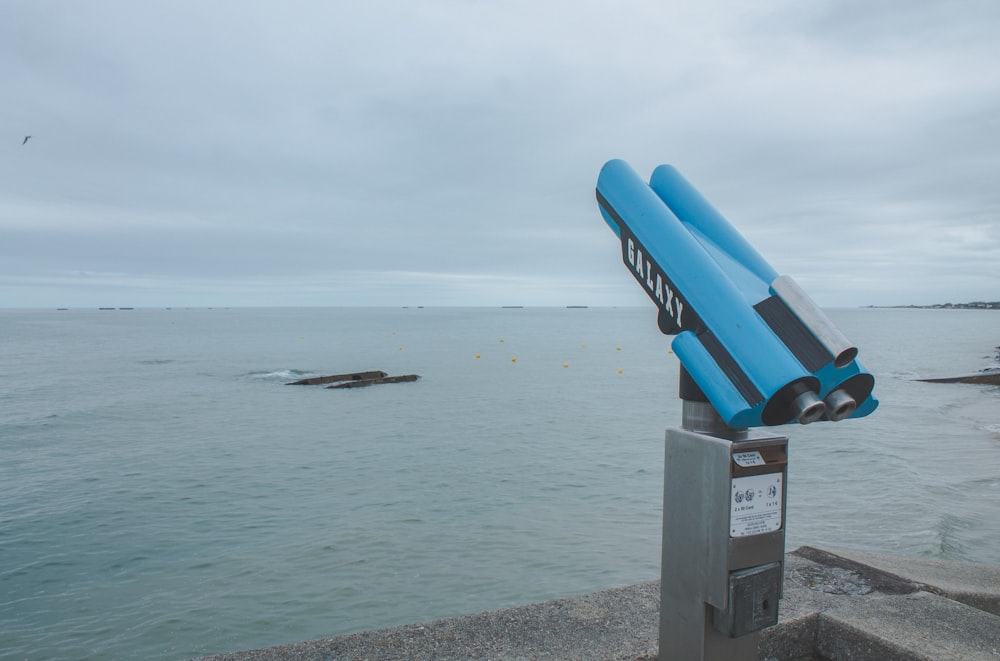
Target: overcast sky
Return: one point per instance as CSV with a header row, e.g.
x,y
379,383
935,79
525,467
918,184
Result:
x,y
445,152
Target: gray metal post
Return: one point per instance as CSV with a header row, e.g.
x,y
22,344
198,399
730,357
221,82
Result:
x,y
723,537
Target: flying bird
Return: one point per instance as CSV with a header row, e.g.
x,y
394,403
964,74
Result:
x,y
26,138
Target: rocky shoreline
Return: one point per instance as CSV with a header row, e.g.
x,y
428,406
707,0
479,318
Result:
x,y
975,305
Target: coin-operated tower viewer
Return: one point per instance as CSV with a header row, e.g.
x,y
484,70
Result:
x,y
755,351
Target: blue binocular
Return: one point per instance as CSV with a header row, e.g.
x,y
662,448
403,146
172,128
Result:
x,y
756,345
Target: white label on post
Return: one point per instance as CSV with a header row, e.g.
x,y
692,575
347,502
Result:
x,y
755,505
746,459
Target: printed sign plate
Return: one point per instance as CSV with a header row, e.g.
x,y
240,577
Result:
x,y
755,507
746,459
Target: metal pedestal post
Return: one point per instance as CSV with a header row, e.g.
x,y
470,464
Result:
x,y
723,537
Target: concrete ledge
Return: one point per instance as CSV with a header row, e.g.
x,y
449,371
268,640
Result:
x,y
613,624
839,605
962,581
915,626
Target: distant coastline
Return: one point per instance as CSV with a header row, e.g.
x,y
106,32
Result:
x,y
975,305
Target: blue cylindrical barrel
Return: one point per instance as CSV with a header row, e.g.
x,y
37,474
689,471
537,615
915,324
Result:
x,y
734,337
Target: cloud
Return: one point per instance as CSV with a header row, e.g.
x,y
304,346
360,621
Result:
x,y
220,143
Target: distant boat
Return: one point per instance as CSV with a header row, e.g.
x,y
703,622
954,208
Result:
x,y
989,376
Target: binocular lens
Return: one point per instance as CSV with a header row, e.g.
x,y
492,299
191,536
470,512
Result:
x,y
808,407
840,404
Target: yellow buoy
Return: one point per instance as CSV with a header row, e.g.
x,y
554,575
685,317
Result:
x,y
477,355
618,348
565,364
619,371
514,359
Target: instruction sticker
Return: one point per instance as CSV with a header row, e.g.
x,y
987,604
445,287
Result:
x,y
755,507
746,459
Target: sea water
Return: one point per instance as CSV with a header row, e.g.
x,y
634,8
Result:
x,y
164,494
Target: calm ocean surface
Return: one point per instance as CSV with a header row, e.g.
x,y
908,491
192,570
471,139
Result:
x,y
164,495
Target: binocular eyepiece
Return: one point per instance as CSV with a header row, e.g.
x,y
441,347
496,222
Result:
x,y
807,407
756,345
839,405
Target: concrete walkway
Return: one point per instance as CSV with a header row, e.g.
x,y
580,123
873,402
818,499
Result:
x,y
839,605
